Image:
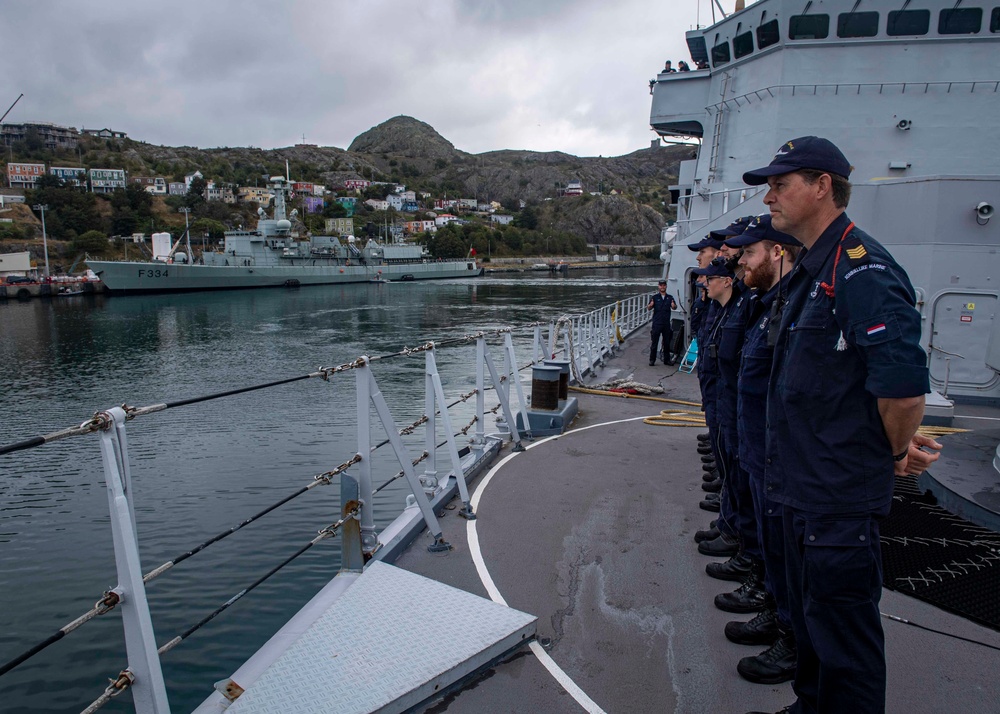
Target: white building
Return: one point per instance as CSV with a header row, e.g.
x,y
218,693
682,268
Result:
x,y
501,218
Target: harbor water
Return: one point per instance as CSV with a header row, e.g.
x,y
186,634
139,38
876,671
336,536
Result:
x,y
202,469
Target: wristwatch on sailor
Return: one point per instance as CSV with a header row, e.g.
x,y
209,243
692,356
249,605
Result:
x,y
901,455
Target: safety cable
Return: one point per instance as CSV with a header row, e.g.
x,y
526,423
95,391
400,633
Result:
x,y
97,421
126,678
911,623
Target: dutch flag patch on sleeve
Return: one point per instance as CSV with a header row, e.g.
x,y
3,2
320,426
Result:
x,y
875,329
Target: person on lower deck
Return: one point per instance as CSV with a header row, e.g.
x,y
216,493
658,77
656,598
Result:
x,y
662,304
845,398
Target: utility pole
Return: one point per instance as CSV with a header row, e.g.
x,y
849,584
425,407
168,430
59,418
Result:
x,y
45,242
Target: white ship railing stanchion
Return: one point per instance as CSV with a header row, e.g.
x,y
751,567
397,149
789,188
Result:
x,y
537,351
369,537
553,340
515,377
374,394
508,415
430,477
479,439
437,394
149,693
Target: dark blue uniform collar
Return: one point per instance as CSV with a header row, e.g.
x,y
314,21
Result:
x,y
815,258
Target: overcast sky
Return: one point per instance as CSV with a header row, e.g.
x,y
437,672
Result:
x,y
545,75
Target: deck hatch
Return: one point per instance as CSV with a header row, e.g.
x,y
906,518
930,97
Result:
x,y
379,647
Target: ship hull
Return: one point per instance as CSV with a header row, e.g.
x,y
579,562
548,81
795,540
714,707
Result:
x,y
154,277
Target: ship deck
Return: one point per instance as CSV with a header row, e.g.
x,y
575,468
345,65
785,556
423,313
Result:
x,y
592,532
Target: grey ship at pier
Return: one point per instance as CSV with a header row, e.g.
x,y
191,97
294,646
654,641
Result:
x,y
273,256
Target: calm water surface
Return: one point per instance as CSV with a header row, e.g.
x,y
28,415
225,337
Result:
x,y
200,470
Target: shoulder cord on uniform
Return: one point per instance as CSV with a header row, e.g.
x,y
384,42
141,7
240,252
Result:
x,y
833,278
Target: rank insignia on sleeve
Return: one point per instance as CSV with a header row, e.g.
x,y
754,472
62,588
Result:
x,y
856,253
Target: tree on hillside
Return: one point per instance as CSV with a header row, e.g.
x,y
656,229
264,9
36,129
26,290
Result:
x,y
93,242
196,194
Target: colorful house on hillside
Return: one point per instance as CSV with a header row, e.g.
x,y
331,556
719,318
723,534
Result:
x,y
23,175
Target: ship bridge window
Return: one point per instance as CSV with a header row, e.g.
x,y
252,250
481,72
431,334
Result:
x,y
995,20
908,22
857,24
808,27
720,54
960,21
743,44
768,34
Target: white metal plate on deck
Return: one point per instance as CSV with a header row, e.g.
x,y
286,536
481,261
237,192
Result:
x,y
388,643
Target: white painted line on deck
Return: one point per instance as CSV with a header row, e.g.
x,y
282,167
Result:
x,y
564,680
969,416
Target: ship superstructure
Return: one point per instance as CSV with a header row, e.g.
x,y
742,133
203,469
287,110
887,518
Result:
x,y
909,92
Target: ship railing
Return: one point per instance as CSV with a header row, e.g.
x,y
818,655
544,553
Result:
x,y
720,202
587,340
772,91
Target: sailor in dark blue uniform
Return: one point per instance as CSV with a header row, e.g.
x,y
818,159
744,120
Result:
x,y
718,280
727,340
662,304
768,257
701,315
845,397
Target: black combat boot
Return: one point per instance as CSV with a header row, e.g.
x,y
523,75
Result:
x,y
708,534
710,506
707,459
761,630
736,569
704,437
704,449
724,545
774,665
713,486
749,597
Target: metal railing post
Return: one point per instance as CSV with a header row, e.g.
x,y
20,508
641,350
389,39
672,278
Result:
x,y
508,344
405,462
479,440
430,477
149,693
536,345
369,538
437,395
508,415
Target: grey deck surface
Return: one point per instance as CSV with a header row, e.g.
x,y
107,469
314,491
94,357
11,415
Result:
x,y
592,532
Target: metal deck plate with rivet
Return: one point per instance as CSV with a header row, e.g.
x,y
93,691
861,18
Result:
x,y
391,641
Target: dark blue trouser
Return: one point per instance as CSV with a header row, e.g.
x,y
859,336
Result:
x,y
746,516
660,331
729,517
771,535
726,523
833,566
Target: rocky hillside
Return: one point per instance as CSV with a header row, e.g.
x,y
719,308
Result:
x,y
409,151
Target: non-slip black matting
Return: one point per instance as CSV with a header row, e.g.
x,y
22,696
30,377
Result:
x,y
935,556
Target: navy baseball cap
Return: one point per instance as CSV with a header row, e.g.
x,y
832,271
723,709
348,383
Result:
x,y
706,242
662,282
735,228
718,267
761,229
806,152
